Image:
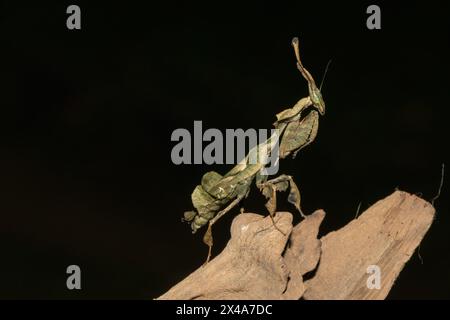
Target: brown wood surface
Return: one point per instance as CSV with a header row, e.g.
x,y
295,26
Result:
x,y
260,262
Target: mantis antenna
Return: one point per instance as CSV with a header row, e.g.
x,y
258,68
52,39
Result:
x,y
324,74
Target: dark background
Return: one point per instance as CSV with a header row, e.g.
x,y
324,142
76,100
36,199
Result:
x,y
86,117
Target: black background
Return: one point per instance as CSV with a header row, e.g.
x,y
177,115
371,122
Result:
x,y
86,117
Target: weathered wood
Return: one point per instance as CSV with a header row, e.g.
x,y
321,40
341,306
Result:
x,y
259,262
386,236
250,267
302,253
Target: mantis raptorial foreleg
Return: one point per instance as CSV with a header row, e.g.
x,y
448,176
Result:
x,y
272,204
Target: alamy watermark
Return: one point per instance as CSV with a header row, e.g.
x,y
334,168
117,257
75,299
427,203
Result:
x,y
74,279
374,280
73,21
373,21
254,146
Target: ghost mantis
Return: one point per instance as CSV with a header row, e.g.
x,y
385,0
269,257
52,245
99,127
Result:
x,y
218,194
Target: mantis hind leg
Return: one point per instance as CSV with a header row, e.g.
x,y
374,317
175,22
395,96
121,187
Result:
x,y
208,238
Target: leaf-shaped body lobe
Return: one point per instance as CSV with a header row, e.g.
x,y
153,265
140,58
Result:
x,y
294,195
271,204
299,134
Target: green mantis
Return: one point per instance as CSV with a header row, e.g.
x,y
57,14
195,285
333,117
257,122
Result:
x,y
217,194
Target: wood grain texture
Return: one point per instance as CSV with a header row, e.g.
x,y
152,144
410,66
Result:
x,y
385,235
260,262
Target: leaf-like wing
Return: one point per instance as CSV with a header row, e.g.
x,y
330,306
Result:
x,y
299,134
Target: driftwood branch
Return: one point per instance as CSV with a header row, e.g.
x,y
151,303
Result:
x,y
259,262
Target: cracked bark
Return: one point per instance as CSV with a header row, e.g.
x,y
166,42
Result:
x,y
259,262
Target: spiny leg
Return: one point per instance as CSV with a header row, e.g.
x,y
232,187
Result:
x,y
208,238
275,225
273,201
281,178
269,191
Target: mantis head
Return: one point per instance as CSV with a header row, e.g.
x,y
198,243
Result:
x,y
314,92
